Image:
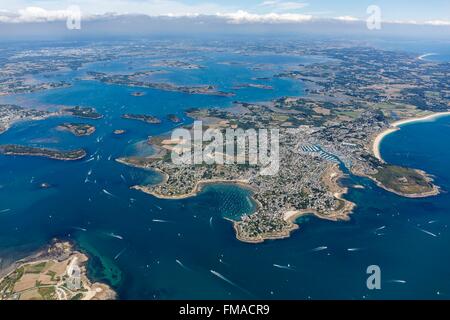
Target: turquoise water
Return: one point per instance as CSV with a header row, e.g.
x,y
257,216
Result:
x,y
148,248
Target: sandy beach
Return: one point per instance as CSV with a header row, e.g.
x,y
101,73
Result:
x,y
422,57
396,126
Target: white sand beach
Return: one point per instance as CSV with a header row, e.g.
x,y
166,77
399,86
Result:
x,y
422,57
396,126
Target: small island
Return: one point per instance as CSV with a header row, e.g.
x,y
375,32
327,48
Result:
x,y
252,85
135,80
173,118
119,131
142,117
138,94
78,129
57,272
178,64
83,112
18,150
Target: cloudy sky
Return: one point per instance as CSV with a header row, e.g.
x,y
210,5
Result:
x,y
410,11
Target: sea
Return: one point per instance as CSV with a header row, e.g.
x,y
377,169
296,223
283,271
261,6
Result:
x,y
148,248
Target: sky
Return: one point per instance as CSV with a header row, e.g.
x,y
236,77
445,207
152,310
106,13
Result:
x,y
408,11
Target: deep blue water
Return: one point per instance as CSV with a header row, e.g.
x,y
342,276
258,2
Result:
x,y
439,49
173,256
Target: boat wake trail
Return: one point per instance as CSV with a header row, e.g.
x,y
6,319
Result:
x,y
161,221
321,248
113,235
428,232
108,193
220,276
119,254
182,265
222,262
397,281
287,267
377,231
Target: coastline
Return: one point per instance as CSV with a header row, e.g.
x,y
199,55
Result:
x,y
195,191
45,155
290,216
72,128
4,128
433,192
58,261
198,187
285,233
330,178
423,56
395,126
7,125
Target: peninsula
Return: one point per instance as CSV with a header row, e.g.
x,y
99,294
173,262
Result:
x,y
10,114
308,178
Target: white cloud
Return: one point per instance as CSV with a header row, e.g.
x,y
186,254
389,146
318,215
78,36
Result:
x,y
246,17
283,6
174,9
438,22
35,14
100,7
347,18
